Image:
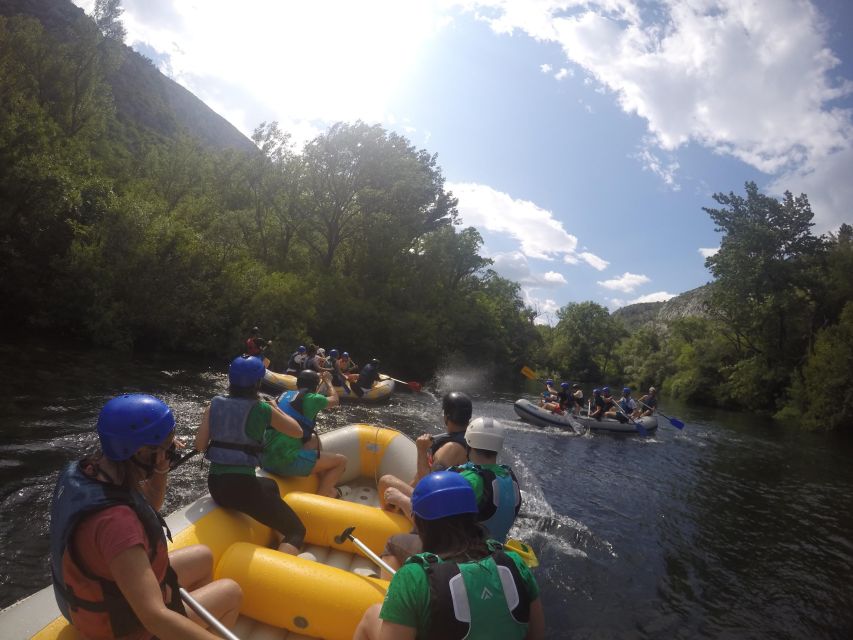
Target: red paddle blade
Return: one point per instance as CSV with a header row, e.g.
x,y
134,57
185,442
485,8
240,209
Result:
x,y
414,386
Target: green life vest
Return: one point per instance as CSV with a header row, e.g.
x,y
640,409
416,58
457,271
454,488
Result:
x,y
485,599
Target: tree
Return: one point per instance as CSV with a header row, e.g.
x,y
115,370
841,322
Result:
x,y
766,288
585,341
107,16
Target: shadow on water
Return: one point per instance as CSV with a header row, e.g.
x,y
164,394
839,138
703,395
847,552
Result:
x,y
734,527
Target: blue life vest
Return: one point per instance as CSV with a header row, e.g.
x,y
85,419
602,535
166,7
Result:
x,y
500,502
229,443
459,593
76,496
291,403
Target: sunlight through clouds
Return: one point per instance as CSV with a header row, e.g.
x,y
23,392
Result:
x,y
306,64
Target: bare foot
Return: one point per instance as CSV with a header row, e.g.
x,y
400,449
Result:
x,y
286,547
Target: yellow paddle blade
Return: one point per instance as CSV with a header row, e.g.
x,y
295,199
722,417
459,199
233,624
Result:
x,y
527,372
527,554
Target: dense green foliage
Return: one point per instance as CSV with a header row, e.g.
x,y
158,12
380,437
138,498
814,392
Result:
x,y
139,241
775,335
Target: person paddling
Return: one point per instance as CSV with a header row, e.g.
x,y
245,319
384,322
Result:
x,y
367,378
462,585
296,363
112,575
649,402
256,346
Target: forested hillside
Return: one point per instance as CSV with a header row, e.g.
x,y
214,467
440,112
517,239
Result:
x,y
119,227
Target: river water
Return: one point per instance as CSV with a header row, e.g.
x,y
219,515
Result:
x,y
735,527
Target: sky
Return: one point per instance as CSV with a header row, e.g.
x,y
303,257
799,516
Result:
x,y
581,137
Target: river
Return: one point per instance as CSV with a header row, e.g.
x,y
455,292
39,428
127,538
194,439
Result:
x,y
735,527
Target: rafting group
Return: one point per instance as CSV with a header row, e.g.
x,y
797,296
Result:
x,y
602,404
343,372
450,577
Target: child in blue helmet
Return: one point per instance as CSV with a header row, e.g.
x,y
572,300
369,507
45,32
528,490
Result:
x,y
232,435
113,576
425,595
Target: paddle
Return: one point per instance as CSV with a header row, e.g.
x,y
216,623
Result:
x,y
675,422
205,615
346,534
529,373
527,554
414,386
640,428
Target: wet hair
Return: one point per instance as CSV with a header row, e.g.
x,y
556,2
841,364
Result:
x,y
458,538
312,350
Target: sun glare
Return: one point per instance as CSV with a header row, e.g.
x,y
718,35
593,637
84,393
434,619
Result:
x,y
318,61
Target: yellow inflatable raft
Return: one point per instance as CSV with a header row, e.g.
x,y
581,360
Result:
x,y
323,592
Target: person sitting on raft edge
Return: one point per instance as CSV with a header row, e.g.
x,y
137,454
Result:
x,y
495,487
112,574
367,378
256,346
231,434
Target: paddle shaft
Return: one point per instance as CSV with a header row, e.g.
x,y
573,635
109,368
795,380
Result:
x,y
640,428
205,615
379,561
678,424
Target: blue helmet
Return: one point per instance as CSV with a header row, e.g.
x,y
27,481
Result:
x,y
345,355
132,421
565,385
301,348
245,371
441,494
605,390
597,391
549,382
626,390
333,353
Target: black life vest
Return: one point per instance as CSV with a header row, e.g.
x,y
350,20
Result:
x,y
450,599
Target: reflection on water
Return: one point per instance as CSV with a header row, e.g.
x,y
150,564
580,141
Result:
x,y
734,527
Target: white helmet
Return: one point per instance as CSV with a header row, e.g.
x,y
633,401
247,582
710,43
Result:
x,y
485,433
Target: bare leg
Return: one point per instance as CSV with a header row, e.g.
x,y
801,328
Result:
x,y
222,598
194,566
369,626
329,469
388,481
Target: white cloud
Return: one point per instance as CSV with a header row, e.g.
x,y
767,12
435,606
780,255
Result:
x,y
626,283
562,73
658,296
593,260
753,80
515,266
666,171
538,233
545,68
707,252
554,278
